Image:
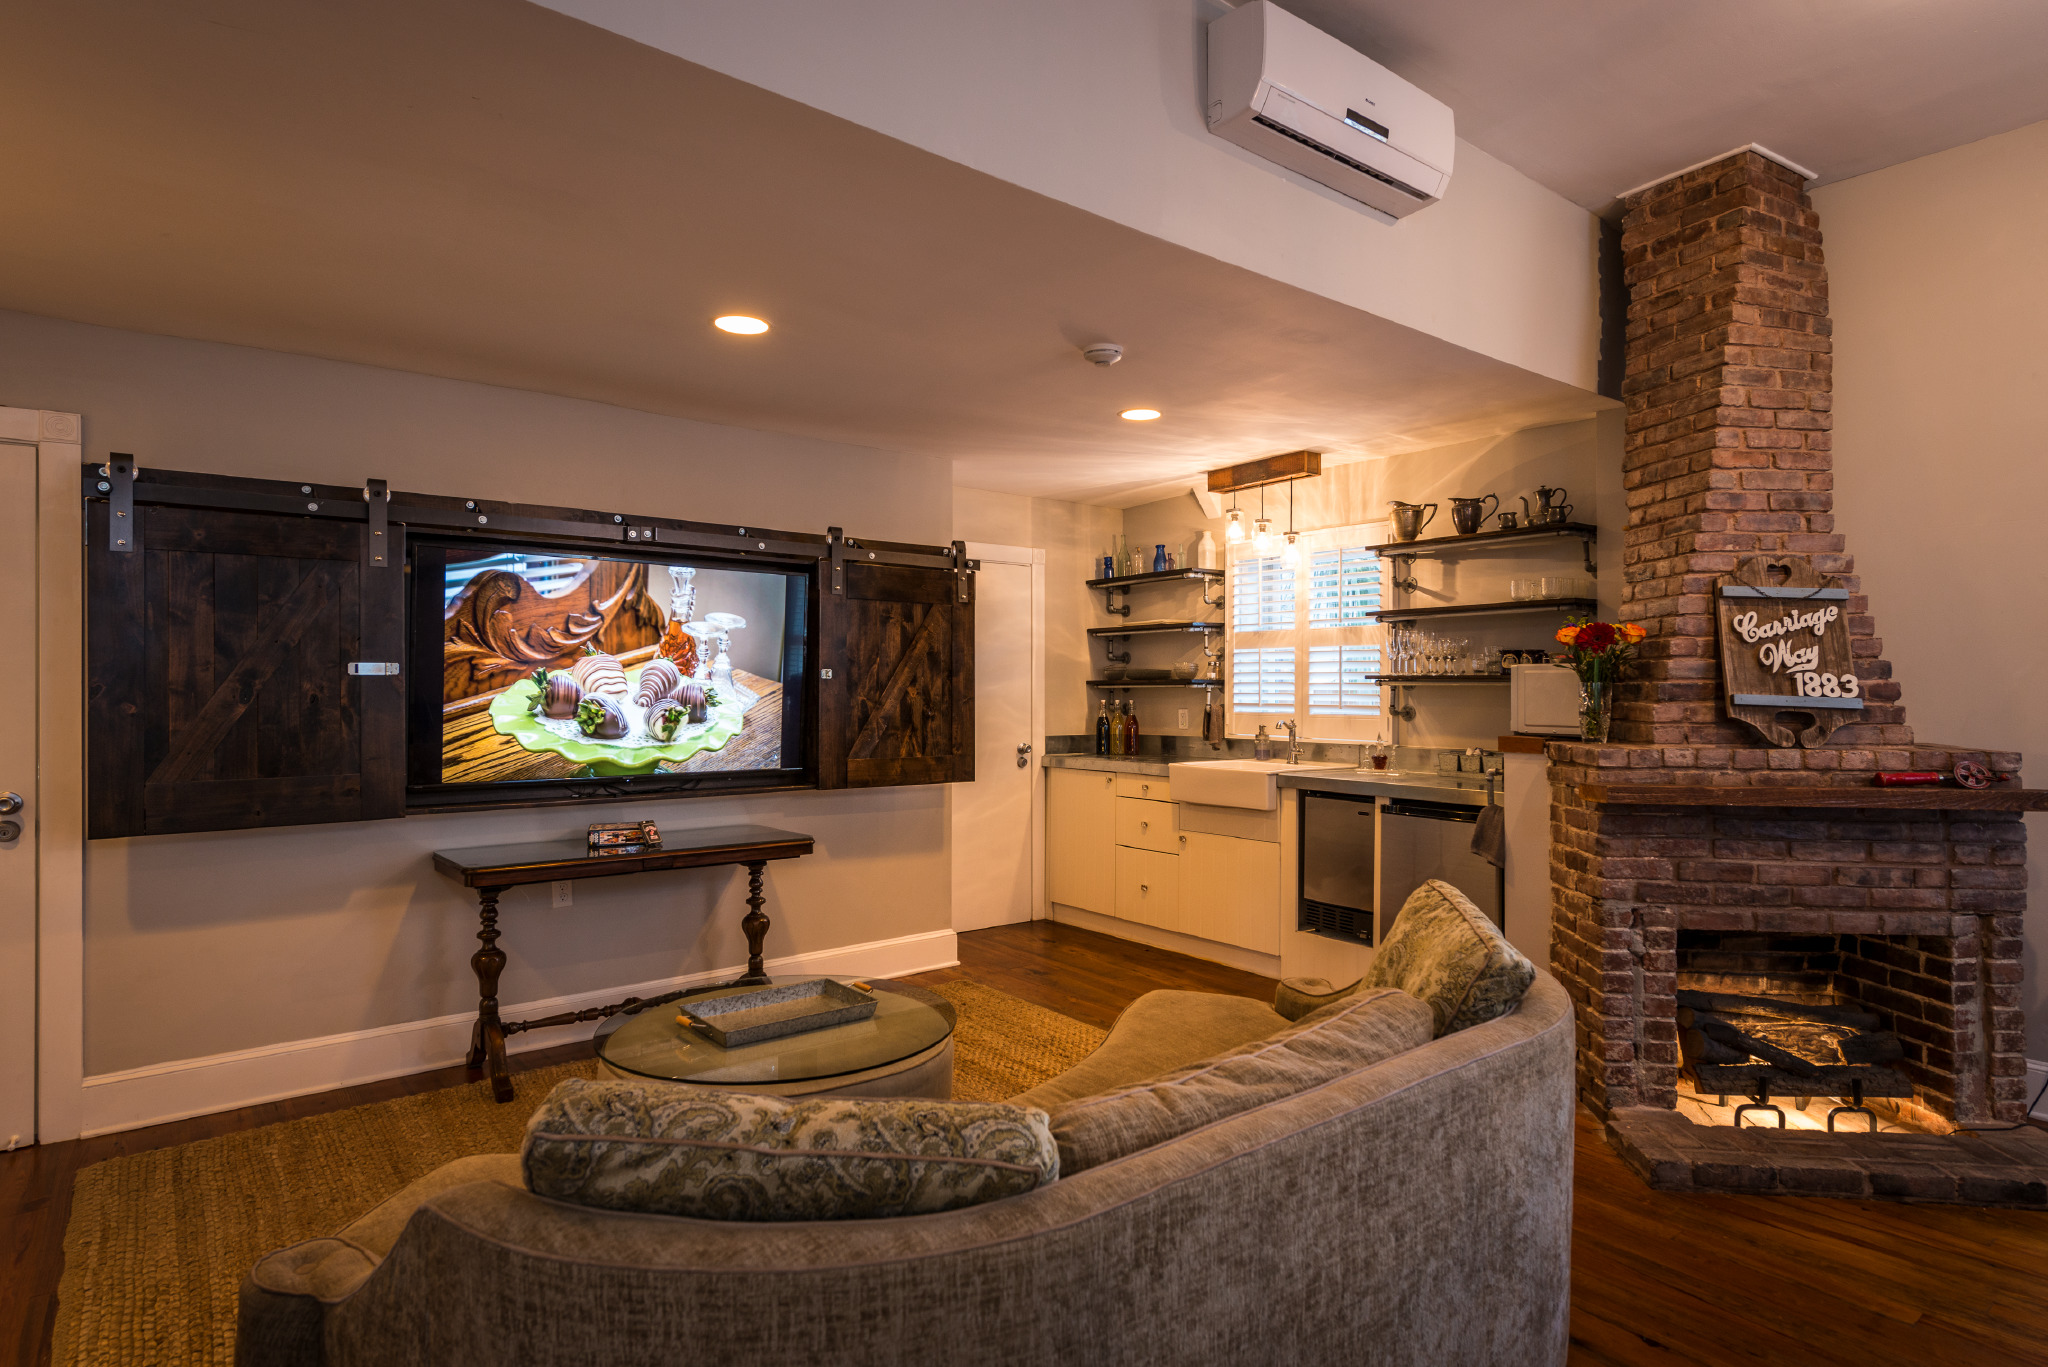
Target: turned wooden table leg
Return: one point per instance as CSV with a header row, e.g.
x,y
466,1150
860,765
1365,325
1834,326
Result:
x,y
487,1039
755,924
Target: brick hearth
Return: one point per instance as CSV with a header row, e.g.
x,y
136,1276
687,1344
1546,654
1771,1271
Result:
x,y
1688,822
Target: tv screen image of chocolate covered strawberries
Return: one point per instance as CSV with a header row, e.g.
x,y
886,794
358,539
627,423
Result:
x,y
559,666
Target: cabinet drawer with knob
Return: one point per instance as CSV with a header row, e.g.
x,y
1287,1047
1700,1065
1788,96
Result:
x,y
1144,786
1148,888
1148,825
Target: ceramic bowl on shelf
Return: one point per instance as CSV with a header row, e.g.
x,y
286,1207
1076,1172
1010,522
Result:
x,y
1184,669
1112,672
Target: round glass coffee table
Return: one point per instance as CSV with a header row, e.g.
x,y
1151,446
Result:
x,y
904,1049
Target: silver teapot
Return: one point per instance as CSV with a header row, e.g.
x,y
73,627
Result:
x,y
1550,506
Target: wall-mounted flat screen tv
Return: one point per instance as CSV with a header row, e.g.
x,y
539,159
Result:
x,y
537,668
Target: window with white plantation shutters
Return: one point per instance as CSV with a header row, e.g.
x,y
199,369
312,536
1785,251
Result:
x,y
1341,682
1261,594
1343,587
1305,641
1263,680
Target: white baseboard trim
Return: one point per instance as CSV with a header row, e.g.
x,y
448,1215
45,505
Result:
x,y
1230,956
2037,1087
247,1077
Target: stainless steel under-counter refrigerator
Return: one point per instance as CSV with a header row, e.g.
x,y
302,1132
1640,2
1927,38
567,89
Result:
x,y
1362,856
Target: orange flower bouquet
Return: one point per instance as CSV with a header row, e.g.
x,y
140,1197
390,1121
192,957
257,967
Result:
x,y
1601,654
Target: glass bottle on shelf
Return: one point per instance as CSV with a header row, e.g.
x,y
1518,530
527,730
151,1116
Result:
x,y
677,645
1102,728
1130,727
1159,558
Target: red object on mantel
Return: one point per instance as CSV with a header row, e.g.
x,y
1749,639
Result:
x,y
1908,779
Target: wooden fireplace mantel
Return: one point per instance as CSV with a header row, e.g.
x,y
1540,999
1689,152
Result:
x,y
1931,798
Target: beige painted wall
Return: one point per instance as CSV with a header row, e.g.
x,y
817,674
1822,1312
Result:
x,y
1100,106
1938,275
206,943
1584,457
1073,536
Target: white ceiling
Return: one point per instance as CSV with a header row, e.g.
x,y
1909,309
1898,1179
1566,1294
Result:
x,y
1594,100
490,191
493,192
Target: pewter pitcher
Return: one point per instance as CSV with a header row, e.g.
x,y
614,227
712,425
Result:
x,y
1410,518
1468,515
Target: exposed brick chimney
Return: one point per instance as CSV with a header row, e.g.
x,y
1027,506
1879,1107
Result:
x,y
1729,389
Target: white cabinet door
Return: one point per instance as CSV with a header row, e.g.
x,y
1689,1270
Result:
x,y
1230,891
1080,839
1148,887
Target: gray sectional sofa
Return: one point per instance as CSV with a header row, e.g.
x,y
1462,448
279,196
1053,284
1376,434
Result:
x,y
1415,1211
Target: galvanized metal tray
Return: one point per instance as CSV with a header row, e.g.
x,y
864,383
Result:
x,y
772,1012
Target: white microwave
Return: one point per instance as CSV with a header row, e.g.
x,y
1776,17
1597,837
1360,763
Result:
x,y
1543,700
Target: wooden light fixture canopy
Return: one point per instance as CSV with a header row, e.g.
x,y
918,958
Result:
x,y
1271,470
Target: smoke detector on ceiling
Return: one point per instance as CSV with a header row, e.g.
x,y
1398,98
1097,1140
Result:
x,y
1103,353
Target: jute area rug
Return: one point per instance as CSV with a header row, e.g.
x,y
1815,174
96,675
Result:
x,y
158,1242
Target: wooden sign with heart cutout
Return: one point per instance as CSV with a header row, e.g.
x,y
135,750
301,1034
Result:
x,y
1785,659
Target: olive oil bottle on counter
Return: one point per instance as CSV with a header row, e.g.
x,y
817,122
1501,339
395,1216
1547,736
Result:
x,y
1102,728
1130,727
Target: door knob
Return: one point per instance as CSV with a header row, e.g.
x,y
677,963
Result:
x,y
1144,825
1023,755
9,831
10,803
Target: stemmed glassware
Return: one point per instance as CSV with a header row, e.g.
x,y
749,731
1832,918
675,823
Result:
x,y
703,633
725,623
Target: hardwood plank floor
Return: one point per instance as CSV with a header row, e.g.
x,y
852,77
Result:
x,y
1658,1280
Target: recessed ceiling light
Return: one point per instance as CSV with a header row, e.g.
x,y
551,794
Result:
x,y
739,322
1139,414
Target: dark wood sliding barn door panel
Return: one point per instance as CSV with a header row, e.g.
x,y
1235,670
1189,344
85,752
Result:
x,y
219,691
899,707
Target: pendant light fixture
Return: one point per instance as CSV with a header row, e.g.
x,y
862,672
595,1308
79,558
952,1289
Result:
x,y
1233,523
1262,530
1290,555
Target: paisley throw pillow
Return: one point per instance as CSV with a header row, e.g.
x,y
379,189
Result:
x,y
670,1150
1445,951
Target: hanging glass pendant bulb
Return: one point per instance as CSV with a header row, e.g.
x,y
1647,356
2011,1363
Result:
x,y
1233,526
1262,536
1290,554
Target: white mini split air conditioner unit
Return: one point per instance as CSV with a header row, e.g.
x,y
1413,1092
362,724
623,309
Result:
x,y
1296,96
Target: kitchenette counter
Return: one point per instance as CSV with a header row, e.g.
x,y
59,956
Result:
x,y
1463,789
1109,764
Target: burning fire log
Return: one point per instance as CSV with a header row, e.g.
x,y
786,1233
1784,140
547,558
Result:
x,y
1734,1044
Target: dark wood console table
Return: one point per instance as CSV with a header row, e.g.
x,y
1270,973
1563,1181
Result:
x,y
491,869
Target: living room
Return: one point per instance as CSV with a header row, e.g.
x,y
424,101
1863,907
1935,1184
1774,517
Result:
x,y
468,257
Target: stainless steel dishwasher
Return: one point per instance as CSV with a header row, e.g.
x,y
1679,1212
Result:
x,y
1337,834
1424,840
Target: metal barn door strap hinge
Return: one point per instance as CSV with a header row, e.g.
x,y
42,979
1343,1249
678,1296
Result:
x,y
378,495
963,571
120,473
835,549
373,666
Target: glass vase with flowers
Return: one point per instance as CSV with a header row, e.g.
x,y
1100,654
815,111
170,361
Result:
x,y
1602,654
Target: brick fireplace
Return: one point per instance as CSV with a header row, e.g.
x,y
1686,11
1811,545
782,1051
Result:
x,y
1691,854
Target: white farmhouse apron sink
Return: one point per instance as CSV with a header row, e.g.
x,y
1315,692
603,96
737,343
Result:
x,y
1247,783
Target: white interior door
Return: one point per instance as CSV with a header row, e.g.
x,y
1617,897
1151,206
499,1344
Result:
x,y
18,783
996,844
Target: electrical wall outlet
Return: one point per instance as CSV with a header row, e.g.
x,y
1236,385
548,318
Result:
x,y
565,892
1183,719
